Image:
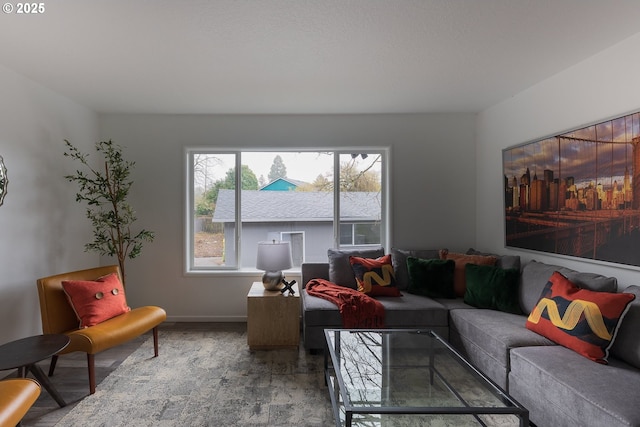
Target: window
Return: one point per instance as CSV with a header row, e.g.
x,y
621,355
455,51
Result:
x,y
360,234
236,199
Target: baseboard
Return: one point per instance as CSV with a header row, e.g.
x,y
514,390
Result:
x,y
221,319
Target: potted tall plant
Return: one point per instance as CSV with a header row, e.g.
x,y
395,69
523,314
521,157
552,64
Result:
x,y
105,190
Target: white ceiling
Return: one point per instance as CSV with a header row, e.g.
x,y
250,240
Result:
x,y
306,56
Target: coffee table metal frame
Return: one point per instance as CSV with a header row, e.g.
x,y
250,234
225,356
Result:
x,y
336,384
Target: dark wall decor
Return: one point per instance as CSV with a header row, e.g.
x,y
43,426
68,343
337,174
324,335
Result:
x,y
577,193
4,181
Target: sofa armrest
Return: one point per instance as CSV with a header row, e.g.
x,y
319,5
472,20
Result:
x,y
311,270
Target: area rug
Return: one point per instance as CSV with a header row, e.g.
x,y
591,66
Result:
x,y
210,378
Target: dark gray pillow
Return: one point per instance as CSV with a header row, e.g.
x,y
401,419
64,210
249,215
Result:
x,y
535,276
626,344
399,261
505,262
340,271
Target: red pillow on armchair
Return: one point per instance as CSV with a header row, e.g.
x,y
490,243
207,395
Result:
x,y
96,301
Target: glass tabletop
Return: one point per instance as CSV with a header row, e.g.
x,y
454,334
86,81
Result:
x,y
403,377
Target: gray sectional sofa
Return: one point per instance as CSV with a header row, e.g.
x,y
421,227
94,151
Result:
x,y
557,385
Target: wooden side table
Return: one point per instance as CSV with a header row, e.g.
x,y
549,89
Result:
x,y
273,319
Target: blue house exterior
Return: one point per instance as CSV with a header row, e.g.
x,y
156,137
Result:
x,y
282,184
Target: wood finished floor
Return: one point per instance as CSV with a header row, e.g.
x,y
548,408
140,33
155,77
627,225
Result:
x,y
72,381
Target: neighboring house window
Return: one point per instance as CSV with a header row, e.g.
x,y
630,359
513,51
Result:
x,y
316,200
366,233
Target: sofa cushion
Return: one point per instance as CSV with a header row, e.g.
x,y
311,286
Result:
x,y
399,261
492,287
413,311
375,277
562,388
626,345
494,332
582,320
535,276
431,277
318,311
340,271
504,261
453,304
95,301
461,260
408,311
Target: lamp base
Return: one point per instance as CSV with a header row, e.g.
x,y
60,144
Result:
x,y
272,280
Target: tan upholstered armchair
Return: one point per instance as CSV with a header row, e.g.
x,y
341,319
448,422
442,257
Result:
x,y
17,395
58,317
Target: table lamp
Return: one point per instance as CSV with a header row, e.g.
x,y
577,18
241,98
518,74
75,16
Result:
x,y
273,257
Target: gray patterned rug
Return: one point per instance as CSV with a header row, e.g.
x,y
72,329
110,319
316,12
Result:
x,y
210,378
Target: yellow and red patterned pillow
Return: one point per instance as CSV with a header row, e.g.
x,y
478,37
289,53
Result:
x,y
96,301
579,319
375,277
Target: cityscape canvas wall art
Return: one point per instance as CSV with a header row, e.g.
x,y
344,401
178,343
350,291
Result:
x,y
577,193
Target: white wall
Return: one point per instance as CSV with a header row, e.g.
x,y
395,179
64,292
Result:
x,y
433,167
447,191
602,87
43,229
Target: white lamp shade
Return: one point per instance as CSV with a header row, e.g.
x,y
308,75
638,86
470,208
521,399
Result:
x,y
274,256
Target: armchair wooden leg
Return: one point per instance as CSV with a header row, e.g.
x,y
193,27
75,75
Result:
x,y
91,362
155,341
52,366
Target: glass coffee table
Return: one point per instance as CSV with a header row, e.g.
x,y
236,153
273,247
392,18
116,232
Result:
x,y
401,377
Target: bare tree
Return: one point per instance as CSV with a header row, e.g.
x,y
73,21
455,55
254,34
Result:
x,y
203,165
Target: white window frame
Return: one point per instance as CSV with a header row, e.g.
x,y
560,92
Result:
x,y
385,220
304,239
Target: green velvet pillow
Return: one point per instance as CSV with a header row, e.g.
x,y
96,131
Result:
x,y
492,287
431,277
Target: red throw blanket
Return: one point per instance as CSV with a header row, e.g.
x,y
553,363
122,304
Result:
x,y
358,310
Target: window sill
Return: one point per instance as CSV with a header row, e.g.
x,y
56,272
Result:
x,y
244,272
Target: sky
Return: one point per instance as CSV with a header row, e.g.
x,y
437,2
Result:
x,y
301,166
576,154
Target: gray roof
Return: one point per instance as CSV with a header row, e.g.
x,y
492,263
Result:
x,y
270,206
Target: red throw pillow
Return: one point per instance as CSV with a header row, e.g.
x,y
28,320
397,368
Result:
x,y
96,301
584,321
461,260
375,277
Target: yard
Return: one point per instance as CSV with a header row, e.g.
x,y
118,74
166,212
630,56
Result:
x,y
208,245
